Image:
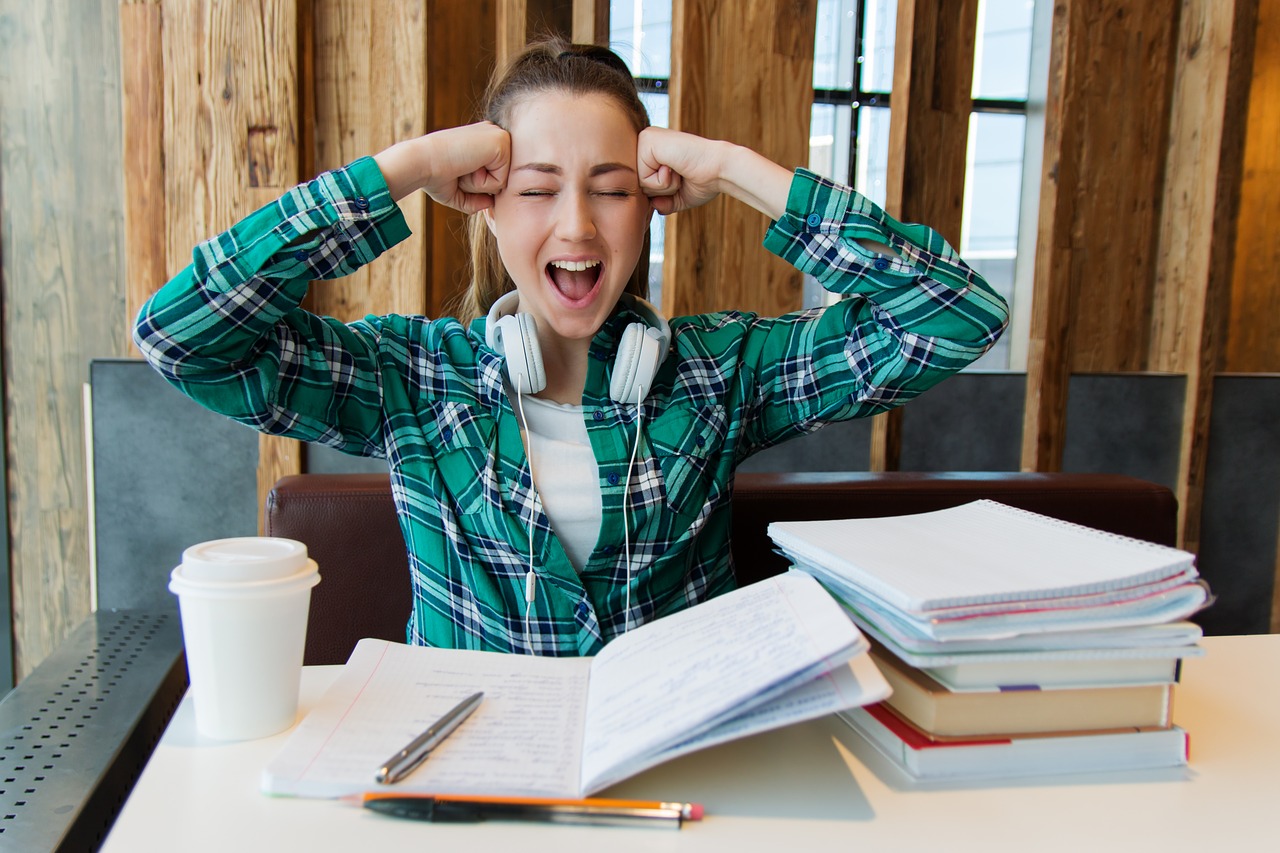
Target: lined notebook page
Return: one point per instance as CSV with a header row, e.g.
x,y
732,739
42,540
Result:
x,y
977,553
525,738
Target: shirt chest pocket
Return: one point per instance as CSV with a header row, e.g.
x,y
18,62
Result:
x,y
459,439
687,444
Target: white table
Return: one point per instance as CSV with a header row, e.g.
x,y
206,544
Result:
x,y
815,786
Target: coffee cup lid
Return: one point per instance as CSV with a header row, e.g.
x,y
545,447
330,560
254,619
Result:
x,y
241,559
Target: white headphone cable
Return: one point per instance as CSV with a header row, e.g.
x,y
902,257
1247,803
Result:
x,y
530,579
626,525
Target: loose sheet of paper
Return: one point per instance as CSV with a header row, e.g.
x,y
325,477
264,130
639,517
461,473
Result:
x,y
673,679
525,738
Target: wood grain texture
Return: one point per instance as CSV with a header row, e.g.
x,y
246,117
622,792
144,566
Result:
x,y
1106,128
591,22
63,276
929,117
1253,339
1048,347
229,69
928,139
460,52
230,132
367,93
1198,224
142,127
1121,75
741,72
519,22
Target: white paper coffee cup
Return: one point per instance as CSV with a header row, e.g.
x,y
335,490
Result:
x,y
244,605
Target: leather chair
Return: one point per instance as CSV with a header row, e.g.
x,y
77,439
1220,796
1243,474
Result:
x,y
349,525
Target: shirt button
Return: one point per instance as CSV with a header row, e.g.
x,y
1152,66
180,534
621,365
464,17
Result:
x,y
700,441
610,550
598,415
582,610
882,263
447,434
362,203
300,255
813,220
613,479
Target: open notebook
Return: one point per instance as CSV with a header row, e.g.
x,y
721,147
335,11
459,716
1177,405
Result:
x,y
764,656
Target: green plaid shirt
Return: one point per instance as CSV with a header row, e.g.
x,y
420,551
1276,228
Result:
x,y
428,396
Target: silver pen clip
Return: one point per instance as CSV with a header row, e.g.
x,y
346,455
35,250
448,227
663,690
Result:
x,y
403,762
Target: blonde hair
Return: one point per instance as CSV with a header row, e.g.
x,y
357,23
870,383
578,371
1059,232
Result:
x,y
553,65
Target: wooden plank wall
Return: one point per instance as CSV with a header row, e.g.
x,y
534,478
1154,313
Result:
x,y
741,71
1253,343
216,106
928,142
1202,186
1106,127
62,292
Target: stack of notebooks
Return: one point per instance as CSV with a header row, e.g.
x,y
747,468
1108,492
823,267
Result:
x,y
1016,644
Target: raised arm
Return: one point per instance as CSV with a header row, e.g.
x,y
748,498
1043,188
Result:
x,y
229,331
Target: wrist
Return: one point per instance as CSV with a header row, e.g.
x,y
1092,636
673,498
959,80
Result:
x,y
406,166
755,180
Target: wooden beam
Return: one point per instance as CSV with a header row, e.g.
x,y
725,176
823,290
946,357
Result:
x,y
1253,343
928,142
142,130
230,134
929,117
1106,125
1048,347
522,21
743,72
1194,262
591,22
460,55
368,93
63,299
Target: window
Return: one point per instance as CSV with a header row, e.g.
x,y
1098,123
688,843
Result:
x,y
640,32
849,130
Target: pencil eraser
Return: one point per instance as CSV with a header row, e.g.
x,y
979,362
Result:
x,y
695,811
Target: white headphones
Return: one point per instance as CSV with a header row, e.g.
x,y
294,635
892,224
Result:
x,y
641,349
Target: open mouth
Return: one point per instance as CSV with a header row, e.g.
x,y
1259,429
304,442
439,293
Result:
x,y
576,280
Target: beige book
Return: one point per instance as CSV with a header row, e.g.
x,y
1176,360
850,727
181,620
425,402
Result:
x,y
933,708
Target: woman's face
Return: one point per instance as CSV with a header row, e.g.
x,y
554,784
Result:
x,y
571,221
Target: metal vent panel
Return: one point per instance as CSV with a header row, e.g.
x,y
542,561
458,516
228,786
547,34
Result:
x,y
76,733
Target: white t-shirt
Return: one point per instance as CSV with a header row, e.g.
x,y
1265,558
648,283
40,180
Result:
x,y
565,473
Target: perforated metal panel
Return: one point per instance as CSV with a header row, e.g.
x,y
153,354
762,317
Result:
x,y
75,733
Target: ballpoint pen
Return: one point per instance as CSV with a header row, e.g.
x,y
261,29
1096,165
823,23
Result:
x,y
403,762
446,808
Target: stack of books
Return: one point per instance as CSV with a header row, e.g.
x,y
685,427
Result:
x,y
1015,643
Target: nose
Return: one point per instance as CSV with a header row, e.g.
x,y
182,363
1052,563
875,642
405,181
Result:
x,y
574,219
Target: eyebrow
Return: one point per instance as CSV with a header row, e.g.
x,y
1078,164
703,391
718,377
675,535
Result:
x,y
553,169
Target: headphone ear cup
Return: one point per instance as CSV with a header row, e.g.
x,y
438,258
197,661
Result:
x,y
639,355
516,338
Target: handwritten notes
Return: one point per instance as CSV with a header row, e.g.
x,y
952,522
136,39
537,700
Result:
x,y
761,657
526,732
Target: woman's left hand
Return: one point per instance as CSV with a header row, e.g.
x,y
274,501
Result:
x,y
679,170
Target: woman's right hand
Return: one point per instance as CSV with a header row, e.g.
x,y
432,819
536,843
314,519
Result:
x,y
461,167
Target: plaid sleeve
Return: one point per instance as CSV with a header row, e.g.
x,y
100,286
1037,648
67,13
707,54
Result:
x,y
229,333
905,323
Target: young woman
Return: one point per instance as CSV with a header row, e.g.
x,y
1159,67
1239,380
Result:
x,y
561,457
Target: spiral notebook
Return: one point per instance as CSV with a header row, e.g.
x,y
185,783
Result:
x,y
980,554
